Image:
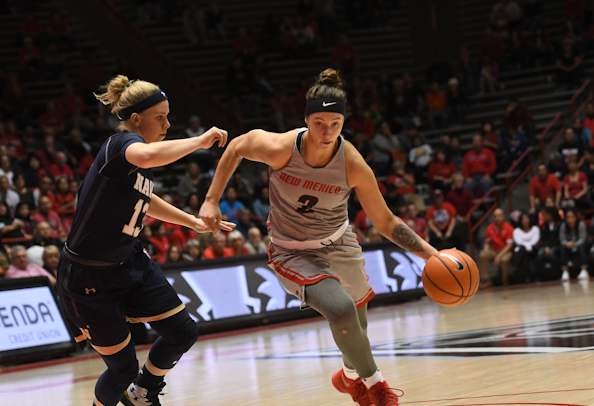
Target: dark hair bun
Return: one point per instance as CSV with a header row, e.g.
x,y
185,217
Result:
x,y
329,77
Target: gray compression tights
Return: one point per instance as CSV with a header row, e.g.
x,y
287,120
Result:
x,y
347,323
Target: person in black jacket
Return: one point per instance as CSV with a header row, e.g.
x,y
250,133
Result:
x,y
549,246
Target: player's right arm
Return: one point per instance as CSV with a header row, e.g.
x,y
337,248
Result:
x,y
165,152
269,148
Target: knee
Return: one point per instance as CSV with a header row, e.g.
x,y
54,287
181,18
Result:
x,y
342,314
187,335
184,336
124,373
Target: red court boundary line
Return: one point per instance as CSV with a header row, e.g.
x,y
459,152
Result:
x,y
52,384
76,358
144,347
517,403
508,394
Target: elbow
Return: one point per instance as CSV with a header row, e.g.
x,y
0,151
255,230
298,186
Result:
x,y
144,160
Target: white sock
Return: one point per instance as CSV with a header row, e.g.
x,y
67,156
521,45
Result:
x,y
373,379
350,373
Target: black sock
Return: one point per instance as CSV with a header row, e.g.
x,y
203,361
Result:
x,y
147,380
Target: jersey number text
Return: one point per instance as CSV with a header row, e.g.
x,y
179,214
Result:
x,y
308,203
130,228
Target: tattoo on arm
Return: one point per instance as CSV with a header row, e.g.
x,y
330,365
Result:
x,y
404,236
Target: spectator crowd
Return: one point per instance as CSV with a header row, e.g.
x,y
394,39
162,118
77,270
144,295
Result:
x,y
46,151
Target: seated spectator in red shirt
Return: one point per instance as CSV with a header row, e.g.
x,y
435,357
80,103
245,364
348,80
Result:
x,y
237,243
61,168
283,110
59,29
218,248
181,235
362,222
44,189
441,218
478,166
47,155
8,136
65,203
575,187
52,119
31,27
490,45
70,103
490,137
244,44
30,60
359,123
589,120
441,172
544,185
436,103
159,240
499,238
45,213
345,56
21,268
419,224
405,182
460,198
517,115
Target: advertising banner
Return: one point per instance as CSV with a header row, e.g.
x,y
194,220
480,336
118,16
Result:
x,y
30,321
245,287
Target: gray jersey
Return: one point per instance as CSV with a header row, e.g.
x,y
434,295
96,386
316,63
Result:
x,y
308,206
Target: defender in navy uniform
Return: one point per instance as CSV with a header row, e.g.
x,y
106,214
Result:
x,y
105,278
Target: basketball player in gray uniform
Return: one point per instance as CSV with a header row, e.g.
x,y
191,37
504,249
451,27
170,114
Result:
x,y
313,250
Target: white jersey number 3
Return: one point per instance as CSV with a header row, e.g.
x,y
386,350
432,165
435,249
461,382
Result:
x,y
130,228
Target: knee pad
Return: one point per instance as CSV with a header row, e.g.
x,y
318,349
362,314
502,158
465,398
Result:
x,y
186,336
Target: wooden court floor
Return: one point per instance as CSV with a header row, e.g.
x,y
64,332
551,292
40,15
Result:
x,y
531,346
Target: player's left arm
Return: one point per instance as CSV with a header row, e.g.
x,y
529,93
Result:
x,y
360,177
164,211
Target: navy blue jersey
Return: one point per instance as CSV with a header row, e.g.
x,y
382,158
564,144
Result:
x,y
113,199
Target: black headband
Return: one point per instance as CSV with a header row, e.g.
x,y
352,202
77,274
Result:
x,y
325,104
142,105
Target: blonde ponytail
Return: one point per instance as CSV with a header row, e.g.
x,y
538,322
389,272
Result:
x,y
121,92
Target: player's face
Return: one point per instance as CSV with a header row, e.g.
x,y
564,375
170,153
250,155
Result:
x,y
153,122
324,128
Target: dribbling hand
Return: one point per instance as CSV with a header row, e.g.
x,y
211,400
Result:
x,y
213,135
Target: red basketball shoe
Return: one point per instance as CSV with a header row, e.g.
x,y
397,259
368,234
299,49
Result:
x,y
382,395
356,389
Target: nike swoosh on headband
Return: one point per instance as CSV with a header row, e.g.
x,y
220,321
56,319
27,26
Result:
x,y
328,104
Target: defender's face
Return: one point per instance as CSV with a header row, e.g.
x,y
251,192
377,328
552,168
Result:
x,y
153,122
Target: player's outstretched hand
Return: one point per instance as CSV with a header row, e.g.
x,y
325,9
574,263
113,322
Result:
x,y
201,227
213,135
210,214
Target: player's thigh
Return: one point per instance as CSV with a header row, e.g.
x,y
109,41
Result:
x,y
297,269
92,303
153,298
348,264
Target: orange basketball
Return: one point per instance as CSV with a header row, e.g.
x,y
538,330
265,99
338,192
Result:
x,y
450,277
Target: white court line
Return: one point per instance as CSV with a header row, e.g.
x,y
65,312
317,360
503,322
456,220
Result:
x,y
494,350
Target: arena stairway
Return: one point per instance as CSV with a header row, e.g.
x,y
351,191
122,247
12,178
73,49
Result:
x,y
386,47
44,90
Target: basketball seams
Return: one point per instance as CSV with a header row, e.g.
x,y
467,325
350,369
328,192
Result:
x,y
439,288
469,272
451,273
459,257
